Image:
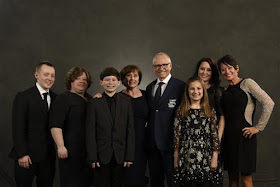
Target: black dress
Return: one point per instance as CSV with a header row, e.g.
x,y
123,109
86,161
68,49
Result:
x,y
239,152
68,112
214,95
135,174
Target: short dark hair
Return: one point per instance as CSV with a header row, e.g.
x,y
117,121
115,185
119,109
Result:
x,y
227,59
40,64
73,74
215,80
110,71
128,69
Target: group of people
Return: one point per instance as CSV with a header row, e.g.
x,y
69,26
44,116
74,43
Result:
x,y
188,133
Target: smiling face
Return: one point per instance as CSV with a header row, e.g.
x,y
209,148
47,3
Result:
x,y
162,66
79,85
110,84
132,80
229,72
205,72
45,76
195,91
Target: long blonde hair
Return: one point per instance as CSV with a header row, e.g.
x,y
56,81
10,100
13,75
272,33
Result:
x,y
186,102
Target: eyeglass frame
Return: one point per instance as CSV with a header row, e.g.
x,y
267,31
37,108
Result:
x,y
165,65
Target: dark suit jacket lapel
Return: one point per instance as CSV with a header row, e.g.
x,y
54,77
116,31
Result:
x,y
150,93
37,96
168,89
106,110
52,97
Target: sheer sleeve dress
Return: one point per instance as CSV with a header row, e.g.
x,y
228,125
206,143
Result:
x,y
238,104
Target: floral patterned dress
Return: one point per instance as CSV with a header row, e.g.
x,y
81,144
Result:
x,y
196,137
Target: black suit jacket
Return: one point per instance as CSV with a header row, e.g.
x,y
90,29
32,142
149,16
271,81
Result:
x,y
31,134
105,136
161,119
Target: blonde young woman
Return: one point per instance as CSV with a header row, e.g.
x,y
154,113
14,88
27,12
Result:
x,y
195,138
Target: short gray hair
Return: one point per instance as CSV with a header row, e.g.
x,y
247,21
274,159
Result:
x,y
161,54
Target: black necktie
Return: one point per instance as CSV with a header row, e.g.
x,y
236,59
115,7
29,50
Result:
x,y
112,107
158,94
46,99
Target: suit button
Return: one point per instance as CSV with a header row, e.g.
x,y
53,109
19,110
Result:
x,y
156,110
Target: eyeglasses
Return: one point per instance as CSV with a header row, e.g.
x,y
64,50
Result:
x,y
158,66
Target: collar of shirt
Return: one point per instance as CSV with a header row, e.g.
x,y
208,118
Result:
x,y
108,98
41,90
166,80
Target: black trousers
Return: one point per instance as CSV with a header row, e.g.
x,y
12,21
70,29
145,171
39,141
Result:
x,y
160,166
110,175
43,170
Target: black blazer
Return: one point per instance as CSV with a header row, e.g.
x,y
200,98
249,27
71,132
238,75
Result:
x,y
161,119
31,134
105,136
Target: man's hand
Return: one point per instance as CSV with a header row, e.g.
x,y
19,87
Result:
x,y
24,161
62,152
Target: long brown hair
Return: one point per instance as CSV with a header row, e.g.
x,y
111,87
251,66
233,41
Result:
x,y
186,102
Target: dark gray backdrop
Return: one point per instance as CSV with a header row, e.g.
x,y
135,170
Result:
x,y
96,34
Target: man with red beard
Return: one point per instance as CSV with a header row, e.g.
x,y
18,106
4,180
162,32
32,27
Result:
x,y
33,149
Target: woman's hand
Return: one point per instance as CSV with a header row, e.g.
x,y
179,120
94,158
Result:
x,y
62,152
176,158
97,95
214,161
248,132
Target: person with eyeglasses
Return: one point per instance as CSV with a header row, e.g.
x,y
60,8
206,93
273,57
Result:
x,y
164,96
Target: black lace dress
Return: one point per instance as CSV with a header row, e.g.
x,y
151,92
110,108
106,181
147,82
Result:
x,y
215,94
196,137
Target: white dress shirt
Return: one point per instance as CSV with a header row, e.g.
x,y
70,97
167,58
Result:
x,y
42,91
165,81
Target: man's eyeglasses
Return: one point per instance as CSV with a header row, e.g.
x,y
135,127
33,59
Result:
x,y
158,66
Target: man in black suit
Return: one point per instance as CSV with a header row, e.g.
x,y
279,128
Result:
x,y
110,132
164,96
33,149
